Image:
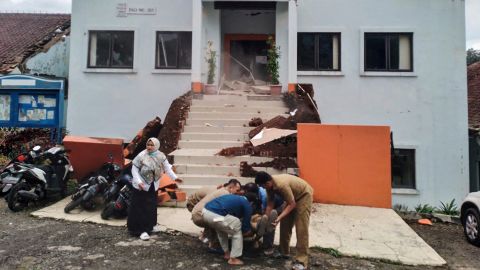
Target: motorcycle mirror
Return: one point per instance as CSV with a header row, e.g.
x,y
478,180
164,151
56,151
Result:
x,y
36,148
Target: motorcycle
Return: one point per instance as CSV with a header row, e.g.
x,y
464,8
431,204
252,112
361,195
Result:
x,y
118,198
9,175
96,184
38,182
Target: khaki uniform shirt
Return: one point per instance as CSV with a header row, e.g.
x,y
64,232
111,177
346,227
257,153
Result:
x,y
197,216
290,187
194,198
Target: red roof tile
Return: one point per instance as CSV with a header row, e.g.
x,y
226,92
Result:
x,y
21,34
473,74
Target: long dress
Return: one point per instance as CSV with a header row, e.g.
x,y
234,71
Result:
x,y
142,214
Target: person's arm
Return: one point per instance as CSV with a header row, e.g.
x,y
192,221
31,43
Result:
x,y
290,204
247,216
168,170
137,179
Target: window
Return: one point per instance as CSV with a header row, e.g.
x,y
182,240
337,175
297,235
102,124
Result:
x,y
403,168
388,52
318,51
174,50
110,49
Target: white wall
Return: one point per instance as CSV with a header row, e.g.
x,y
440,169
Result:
x,y
427,111
119,104
52,62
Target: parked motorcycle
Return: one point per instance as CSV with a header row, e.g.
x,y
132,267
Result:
x,y
95,185
38,182
9,175
120,198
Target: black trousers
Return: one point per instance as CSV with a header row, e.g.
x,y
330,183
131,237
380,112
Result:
x,y
142,214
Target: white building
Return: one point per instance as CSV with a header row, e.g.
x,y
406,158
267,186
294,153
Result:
x,y
399,63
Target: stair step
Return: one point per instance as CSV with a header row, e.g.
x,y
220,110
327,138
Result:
x,y
210,179
222,129
226,170
202,144
222,122
241,108
208,156
231,115
238,102
205,136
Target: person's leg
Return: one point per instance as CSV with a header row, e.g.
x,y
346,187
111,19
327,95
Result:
x,y
286,226
302,221
234,227
209,219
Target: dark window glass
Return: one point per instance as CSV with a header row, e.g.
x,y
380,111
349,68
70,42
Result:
x,y
388,52
403,168
174,50
318,51
110,49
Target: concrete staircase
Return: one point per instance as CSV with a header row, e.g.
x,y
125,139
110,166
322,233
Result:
x,y
216,122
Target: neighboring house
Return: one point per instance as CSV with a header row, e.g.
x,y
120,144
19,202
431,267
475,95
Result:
x,y
36,44
399,63
473,72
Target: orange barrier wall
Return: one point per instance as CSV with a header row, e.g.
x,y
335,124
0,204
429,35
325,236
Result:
x,y
87,154
346,165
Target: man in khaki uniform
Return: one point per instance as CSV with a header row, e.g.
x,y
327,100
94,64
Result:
x,y
298,196
196,197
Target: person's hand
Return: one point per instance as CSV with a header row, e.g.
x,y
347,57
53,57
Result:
x,y
141,185
275,223
248,234
178,181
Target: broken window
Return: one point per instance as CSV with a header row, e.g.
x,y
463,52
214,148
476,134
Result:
x,y
110,49
403,168
388,52
174,50
318,51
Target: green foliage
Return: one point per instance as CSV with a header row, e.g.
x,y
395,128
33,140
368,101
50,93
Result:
x,y
449,208
424,208
211,59
330,251
273,66
400,208
473,56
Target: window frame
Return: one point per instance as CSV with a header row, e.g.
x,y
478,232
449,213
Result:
x,y
110,67
414,180
177,68
387,37
317,52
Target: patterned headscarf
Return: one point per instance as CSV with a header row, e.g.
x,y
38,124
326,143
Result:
x,y
150,164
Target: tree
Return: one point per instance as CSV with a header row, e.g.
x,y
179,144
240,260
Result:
x,y
473,56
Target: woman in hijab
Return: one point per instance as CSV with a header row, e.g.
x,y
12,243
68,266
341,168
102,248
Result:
x,y
148,167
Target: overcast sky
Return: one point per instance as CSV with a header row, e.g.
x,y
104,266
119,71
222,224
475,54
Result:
x,y
64,6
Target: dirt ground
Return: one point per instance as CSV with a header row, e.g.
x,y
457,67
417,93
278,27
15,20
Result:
x,y
31,243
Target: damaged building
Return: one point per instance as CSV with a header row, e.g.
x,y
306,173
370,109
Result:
x,y
392,63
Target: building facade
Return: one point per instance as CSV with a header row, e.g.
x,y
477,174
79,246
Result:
x,y
399,63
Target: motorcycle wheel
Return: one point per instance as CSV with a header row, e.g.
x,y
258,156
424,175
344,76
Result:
x,y
15,202
71,205
108,211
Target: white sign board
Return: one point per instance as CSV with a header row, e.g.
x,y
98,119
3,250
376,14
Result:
x,y
123,10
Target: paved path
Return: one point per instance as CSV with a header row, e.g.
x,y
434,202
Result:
x,y
353,231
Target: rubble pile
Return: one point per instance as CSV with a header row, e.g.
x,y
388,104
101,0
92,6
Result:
x,y
167,133
15,141
303,110
247,170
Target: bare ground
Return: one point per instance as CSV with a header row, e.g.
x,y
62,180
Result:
x,y
31,243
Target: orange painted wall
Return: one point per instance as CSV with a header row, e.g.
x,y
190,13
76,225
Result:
x,y
88,154
346,165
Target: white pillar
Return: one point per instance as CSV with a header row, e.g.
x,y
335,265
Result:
x,y
196,45
292,44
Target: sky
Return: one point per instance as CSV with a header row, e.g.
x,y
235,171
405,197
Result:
x,y
472,12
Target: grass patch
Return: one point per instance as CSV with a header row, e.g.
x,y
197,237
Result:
x,y
330,251
337,254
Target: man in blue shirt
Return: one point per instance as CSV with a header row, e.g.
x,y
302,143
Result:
x,y
223,214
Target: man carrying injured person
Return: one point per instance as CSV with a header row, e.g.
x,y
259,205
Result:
x,y
298,196
231,187
230,215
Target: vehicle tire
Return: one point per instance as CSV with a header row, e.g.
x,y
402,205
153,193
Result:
x,y
108,211
471,226
73,204
15,202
